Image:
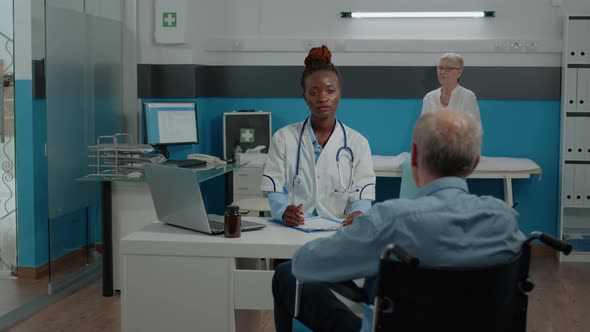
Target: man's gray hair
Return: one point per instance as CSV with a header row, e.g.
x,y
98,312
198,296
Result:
x,y
456,58
448,142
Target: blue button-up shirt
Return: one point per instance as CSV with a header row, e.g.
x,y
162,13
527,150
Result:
x,y
279,201
443,226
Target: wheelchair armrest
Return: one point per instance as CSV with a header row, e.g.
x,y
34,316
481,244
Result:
x,y
350,290
551,241
556,243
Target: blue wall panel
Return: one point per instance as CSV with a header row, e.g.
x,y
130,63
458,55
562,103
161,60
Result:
x,y
512,128
31,176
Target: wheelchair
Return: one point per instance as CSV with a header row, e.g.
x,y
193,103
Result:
x,y
410,297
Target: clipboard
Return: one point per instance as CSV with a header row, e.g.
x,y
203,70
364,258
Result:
x,y
315,224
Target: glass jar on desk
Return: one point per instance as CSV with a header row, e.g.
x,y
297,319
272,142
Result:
x,y
232,226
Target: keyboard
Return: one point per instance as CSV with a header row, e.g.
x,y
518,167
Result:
x,y
216,225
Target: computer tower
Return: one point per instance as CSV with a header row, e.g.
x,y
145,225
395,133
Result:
x,y
245,130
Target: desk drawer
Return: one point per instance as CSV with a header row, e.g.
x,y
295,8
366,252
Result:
x,y
247,181
253,289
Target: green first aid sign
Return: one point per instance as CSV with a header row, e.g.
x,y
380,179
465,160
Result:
x,y
247,135
169,19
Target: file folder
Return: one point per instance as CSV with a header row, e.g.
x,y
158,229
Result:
x,y
570,130
580,133
583,90
571,101
568,185
577,34
579,183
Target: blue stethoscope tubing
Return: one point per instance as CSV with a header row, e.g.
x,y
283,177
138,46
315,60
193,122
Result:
x,y
345,148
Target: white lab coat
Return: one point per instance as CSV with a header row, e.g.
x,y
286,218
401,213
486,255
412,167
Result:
x,y
462,100
319,182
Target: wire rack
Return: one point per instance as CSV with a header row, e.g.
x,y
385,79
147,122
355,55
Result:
x,y
116,155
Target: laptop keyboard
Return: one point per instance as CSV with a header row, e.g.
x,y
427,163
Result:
x,y
216,225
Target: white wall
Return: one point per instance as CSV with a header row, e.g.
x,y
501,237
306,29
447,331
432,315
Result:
x,y
23,37
6,28
273,32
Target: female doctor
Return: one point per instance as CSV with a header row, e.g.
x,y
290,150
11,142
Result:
x,y
319,166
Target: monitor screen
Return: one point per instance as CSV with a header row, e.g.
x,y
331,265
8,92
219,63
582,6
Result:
x,y
171,123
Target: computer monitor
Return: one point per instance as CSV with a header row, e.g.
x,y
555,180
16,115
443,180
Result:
x,y
168,123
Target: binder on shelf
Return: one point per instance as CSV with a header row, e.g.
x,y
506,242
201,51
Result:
x,y
568,185
579,134
569,131
583,90
586,138
571,101
578,42
579,183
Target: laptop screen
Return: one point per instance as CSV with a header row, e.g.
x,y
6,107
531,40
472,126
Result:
x,y
177,197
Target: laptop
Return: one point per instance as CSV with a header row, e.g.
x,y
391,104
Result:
x,y
177,197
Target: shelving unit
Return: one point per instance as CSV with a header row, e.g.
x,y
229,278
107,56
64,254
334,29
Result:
x,y
575,139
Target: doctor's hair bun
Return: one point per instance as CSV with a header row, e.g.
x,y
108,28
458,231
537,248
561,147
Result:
x,y
319,54
319,59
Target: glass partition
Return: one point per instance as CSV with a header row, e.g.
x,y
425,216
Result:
x,y
84,101
76,94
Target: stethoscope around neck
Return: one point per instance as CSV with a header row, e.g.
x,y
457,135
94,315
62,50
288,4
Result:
x,y
344,152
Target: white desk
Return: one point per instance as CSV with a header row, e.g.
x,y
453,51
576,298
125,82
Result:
x,y
179,280
488,168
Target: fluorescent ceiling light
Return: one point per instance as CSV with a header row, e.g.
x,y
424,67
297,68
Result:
x,y
474,14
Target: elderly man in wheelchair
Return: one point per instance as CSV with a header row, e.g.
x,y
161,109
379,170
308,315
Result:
x,y
446,260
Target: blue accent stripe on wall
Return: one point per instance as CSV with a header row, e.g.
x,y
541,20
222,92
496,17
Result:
x,y
25,187
512,128
31,186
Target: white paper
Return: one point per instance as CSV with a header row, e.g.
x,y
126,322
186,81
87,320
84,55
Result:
x,y
320,223
177,126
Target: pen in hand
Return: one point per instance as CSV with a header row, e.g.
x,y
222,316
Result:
x,y
293,215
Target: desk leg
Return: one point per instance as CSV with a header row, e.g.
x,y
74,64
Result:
x,y
107,239
508,191
229,188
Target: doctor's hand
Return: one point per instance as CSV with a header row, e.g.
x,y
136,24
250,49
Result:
x,y
293,215
350,217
